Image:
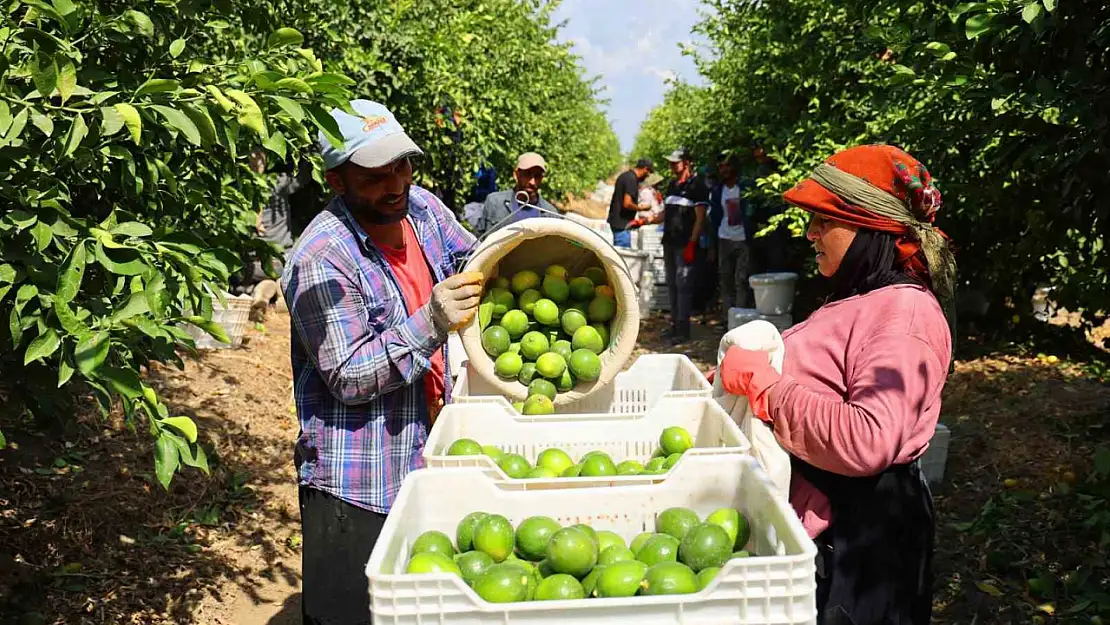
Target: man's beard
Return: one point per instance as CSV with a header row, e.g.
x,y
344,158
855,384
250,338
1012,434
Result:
x,y
370,212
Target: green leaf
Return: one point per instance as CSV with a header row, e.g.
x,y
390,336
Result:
x,y
67,319
22,219
132,229
977,25
42,347
25,294
132,119
6,117
113,121
77,133
184,425
290,107
42,122
937,48
180,121
285,37
196,459
7,274
1050,5
69,280
91,351
225,104
136,305
166,459
15,327
18,124
157,85
1031,12
250,116
44,73
276,144
211,327
177,47
67,80
203,122
65,372
293,84
141,21
3,441
43,236
133,266
123,381
325,122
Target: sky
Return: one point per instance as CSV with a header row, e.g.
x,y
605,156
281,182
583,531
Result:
x,y
634,46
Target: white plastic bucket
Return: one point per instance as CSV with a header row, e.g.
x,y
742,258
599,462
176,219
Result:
x,y
774,292
739,316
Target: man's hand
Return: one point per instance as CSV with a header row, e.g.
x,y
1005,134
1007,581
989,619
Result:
x,y
635,223
689,252
455,300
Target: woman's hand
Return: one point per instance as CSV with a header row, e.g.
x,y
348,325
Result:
x,y
749,373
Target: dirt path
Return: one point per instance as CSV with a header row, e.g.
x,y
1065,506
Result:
x,y
87,536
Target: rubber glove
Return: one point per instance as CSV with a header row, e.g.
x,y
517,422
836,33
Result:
x,y
750,374
635,223
688,253
455,301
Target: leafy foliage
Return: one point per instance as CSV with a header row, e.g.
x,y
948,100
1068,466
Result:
x,y
1005,101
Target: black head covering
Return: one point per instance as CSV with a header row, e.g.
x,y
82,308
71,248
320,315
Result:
x,y
868,265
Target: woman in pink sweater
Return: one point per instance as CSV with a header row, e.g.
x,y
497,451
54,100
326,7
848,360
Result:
x,y
860,391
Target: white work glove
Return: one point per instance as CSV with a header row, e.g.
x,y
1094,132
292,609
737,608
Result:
x,y
455,300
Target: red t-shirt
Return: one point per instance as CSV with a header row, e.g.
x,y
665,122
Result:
x,y
415,279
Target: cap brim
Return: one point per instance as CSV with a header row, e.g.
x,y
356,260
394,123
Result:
x,y
673,159
385,150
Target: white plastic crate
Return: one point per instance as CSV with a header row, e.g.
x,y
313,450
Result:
x,y
650,378
777,586
233,319
623,437
936,456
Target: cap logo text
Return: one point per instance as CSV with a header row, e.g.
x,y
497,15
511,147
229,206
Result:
x,y
372,122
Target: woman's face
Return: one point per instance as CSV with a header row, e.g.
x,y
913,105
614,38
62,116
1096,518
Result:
x,y
830,239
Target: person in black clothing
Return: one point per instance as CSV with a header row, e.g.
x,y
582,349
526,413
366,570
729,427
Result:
x,y
624,205
684,217
768,252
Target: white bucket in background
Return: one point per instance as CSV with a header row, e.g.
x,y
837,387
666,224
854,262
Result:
x,y
739,316
774,292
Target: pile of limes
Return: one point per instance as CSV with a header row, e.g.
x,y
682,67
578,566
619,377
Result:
x,y
552,463
547,332
540,560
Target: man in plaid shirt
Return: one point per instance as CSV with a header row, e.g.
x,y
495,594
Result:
x,y
372,294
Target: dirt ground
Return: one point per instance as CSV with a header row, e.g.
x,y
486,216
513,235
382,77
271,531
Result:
x,y
87,535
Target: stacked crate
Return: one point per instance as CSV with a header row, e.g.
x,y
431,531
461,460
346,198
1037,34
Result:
x,y
650,241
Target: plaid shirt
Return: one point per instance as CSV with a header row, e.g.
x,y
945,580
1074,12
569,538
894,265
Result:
x,y
359,359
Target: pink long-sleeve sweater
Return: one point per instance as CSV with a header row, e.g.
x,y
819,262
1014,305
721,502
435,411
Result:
x,y
860,389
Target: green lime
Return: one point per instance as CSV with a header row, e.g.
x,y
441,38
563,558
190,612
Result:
x,y
614,554
602,309
589,531
676,522
581,288
630,467
492,452
551,366
532,536
706,577
431,562
596,275
574,470
538,404
518,406
621,579
585,338
542,473
572,320
638,542
539,386
675,440
658,548
543,569
495,340
533,345
555,459
705,546
671,460
598,465
502,301
464,447
655,464
485,314
743,553
559,587
734,523
473,564
515,466
566,382
606,539
527,301
464,532
563,348
503,583
508,365
524,280
670,578
546,312
572,551
556,289
515,322
527,373
432,542
589,583
493,534
576,306
585,365
500,282
557,271
602,331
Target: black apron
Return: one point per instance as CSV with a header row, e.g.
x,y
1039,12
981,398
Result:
x,y
874,562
